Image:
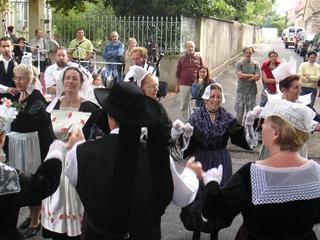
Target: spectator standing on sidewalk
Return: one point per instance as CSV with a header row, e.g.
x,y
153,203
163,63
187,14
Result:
x,y
114,53
39,44
13,37
187,66
269,83
80,48
248,72
309,76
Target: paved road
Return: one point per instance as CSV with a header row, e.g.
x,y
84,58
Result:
x,y
172,228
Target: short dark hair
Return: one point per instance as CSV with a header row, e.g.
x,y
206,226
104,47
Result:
x,y
312,53
59,48
21,38
79,28
4,39
287,83
37,30
10,28
246,48
75,69
273,52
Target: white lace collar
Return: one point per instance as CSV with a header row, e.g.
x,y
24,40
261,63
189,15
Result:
x,y
9,180
279,185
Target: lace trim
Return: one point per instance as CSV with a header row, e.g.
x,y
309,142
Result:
x,y
266,194
9,180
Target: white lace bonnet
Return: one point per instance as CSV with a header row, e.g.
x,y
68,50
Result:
x,y
136,74
296,114
207,91
285,69
87,78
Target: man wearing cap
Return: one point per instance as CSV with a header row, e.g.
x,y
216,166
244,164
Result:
x,y
124,193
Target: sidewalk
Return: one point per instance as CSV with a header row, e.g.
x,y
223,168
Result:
x,y
228,80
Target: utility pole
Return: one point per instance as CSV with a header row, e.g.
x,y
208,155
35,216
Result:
x,y
286,21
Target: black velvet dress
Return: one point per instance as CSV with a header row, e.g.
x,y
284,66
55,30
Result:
x,y
273,221
32,117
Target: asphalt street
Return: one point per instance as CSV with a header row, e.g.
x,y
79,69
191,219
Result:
x,y
172,228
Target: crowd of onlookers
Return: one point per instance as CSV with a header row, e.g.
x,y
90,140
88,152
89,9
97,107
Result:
x,y
98,145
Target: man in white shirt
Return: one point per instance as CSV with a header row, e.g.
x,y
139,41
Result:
x,y
7,85
53,74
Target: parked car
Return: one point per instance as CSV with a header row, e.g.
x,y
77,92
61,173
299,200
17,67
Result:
x,y
290,35
304,42
298,38
314,46
285,33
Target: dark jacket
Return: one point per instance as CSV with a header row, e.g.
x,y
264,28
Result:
x,y
34,188
95,185
32,117
6,78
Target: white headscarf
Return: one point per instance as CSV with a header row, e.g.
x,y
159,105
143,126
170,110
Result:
x,y
207,92
136,74
87,78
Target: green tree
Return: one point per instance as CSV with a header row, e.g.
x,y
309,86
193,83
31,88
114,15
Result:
x,y
4,5
64,26
250,11
275,20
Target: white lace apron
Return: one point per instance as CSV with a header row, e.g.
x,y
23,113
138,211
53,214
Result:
x,y
62,212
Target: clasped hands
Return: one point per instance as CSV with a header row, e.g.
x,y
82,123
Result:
x,y
213,174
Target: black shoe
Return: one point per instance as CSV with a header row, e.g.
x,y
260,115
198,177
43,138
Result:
x,y
32,231
25,223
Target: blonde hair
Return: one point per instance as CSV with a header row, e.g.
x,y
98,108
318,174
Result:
x,y
147,79
131,40
25,70
141,50
290,138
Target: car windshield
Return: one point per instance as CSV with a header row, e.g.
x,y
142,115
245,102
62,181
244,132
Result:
x,y
310,36
291,34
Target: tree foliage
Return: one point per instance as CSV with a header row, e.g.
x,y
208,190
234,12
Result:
x,y
275,20
63,28
250,11
4,5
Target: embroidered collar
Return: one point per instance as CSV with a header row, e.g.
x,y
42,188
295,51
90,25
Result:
x,y
280,185
9,180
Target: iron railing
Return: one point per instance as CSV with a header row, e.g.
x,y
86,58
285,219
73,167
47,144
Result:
x,y
165,31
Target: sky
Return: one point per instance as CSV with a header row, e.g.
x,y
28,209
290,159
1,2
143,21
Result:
x,y
282,6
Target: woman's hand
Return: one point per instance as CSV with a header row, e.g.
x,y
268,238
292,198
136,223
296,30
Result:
x,y
214,174
12,91
75,137
196,167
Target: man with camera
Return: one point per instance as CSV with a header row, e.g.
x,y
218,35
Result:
x,y
39,49
80,48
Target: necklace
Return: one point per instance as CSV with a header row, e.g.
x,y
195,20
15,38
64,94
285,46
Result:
x,y
212,115
212,111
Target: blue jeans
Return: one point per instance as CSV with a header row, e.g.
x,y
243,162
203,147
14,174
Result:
x,y
307,90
